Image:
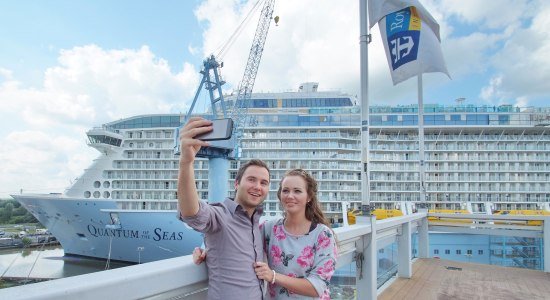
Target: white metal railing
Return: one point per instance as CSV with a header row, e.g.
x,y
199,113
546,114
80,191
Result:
x,y
179,278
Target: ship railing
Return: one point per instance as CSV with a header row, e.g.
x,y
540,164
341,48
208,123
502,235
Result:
x,y
179,278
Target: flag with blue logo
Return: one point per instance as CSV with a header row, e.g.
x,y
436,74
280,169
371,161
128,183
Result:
x,y
411,39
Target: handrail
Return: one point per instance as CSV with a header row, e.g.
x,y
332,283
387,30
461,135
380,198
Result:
x,y
180,278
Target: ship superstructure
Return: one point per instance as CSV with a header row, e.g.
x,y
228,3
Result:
x,y
478,159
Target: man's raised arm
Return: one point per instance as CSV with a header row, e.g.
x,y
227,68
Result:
x,y
188,198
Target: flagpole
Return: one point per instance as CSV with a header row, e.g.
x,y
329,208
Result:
x,y
364,39
367,248
421,143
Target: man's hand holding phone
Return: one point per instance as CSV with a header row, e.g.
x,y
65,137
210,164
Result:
x,y
189,145
221,130
198,131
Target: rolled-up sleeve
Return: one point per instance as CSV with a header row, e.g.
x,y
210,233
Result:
x,y
324,263
208,218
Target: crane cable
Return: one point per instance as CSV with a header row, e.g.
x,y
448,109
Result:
x,y
225,47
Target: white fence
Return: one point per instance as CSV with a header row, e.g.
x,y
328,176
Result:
x,y
179,278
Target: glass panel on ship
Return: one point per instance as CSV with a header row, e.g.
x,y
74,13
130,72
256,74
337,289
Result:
x,y
473,155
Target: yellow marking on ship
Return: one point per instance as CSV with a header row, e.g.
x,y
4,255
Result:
x,y
524,212
449,211
379,213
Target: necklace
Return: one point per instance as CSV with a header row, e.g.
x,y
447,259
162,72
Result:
x,y
302,229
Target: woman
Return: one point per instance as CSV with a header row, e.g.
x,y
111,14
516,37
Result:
x,y
301,247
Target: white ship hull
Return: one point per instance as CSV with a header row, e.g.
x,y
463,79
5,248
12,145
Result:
x,y
84,227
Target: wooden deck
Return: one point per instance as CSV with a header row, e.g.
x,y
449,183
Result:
x,y
445,279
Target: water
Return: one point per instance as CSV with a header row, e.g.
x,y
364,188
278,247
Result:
x,y
17,265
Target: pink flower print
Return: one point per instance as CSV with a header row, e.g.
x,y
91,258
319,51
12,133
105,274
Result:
x,y
279,232
262,225
325,295
271,288
306,258
323,240
276,254
326,270
292,275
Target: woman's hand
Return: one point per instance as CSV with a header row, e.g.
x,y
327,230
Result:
x,y
199,255
263,271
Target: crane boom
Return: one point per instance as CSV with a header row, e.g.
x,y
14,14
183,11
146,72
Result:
x,y
240,108
212,82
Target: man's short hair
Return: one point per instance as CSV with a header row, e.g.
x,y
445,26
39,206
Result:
x,y
252,162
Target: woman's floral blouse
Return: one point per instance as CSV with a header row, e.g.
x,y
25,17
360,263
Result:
x,y
311,256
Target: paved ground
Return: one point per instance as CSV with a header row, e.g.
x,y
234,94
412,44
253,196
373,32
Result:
x,y
444,279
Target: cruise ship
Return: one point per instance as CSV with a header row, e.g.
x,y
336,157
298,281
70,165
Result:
x,y
478,159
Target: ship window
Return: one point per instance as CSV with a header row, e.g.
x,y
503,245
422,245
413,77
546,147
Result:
x,y
96,194
480,252
87,194
436,251
458,252
469,252
106,194
447,251
97,184
106,184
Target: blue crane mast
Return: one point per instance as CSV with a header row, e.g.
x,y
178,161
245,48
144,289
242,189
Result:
x,y
220,152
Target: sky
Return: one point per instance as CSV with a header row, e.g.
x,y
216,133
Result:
x,y
69,65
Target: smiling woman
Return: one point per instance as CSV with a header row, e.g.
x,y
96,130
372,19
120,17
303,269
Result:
x,y
300,247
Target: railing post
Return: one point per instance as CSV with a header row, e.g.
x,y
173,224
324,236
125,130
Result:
x,y
366,282
404,264
423,239
546,244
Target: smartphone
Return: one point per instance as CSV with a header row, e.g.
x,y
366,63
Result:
x,y
222,130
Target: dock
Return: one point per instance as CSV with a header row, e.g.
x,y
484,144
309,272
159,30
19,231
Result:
x,y
444,279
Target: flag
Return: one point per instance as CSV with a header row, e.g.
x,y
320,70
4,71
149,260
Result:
x,y
378,9
412,46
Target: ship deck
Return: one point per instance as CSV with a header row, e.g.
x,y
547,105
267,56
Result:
x,y
445,279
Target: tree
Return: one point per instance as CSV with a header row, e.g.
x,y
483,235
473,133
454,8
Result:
x,y
8,211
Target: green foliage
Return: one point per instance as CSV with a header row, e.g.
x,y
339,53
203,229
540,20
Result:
x,y
26,241
11,212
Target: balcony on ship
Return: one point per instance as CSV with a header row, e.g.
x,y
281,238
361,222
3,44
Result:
x,y
384,259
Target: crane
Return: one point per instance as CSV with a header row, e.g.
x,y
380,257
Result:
x,y
220,152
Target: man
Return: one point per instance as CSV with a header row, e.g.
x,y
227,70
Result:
x,y
232,235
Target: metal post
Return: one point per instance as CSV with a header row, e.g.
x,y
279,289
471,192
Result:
x,y
363,61
546,244
367,280
218,178
404,264
423,239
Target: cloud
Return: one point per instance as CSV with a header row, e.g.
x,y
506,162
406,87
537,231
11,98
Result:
x,y
488,14
43,132
37,161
